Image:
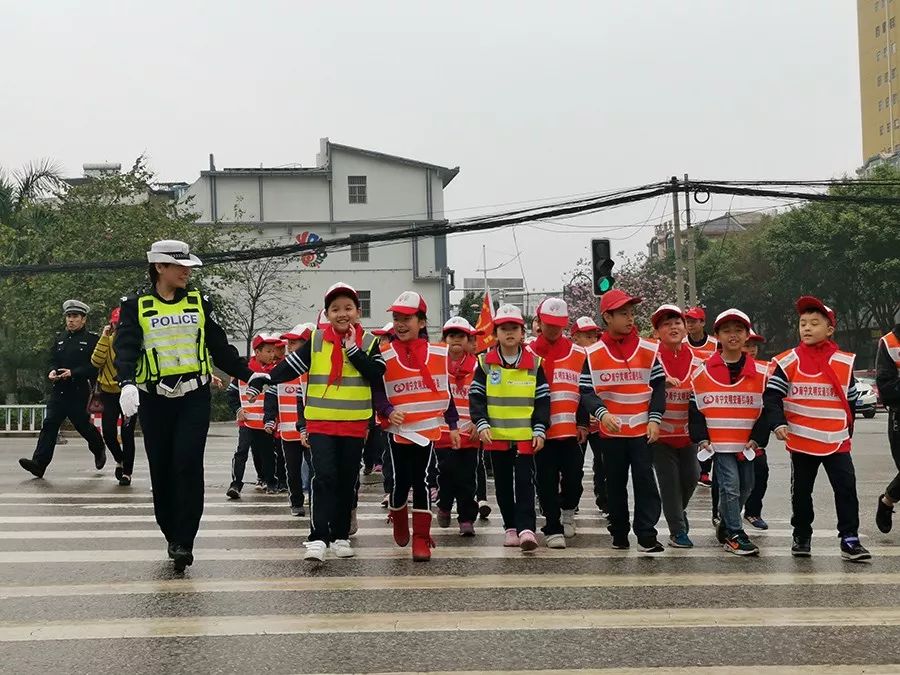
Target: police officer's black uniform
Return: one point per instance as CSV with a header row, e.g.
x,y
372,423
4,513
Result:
x,y
69,399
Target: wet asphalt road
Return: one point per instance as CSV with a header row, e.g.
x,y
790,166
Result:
x,y
86,587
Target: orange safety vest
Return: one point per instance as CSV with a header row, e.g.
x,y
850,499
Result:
x,y
893,347
816,416
730,410
460,394
624,387
253,412
674,422
407,392
564,394
287,408
705,350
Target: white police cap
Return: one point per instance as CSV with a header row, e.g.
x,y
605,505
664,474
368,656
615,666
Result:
x,y
75,307
174,252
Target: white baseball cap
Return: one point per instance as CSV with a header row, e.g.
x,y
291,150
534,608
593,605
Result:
x,y
409,302
663,311
554,312
508,314
460,324
733,315
384,330
174,252
585,324
340,288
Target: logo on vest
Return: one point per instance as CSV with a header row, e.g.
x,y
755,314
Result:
x,y
495,375
812,390
174,320
459,392
565,376
621,376
291,389
729,399
678,395
410,386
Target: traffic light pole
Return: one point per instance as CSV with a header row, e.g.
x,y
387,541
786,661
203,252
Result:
x,y
679,271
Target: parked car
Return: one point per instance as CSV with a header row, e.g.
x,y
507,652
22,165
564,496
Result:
x,y
868,397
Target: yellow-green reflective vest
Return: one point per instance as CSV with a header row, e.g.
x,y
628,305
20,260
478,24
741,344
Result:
x,y
510,400
347,401
174,338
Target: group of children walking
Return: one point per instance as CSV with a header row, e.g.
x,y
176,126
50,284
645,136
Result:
x,y
680,409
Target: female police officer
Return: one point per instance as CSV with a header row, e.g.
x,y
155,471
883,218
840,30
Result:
x,y
163,347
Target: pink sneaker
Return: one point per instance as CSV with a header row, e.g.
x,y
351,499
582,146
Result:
x,y
527,540
512,538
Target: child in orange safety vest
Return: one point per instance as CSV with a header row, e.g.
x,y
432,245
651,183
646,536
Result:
x,y
283,414
251,416
887,379
810,402
674,455
726,420
623,385
416,386
560,464
457,467
509,401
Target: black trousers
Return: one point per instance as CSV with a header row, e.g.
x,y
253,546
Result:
x,y
457,482
600,497
841,475
410,464
279,459
620,455
374,448
432,473
124,453
71,405
754,504
559,473
294,456
706,467
893,490
514,485
387,466
335,463
481,476
175,432
262,446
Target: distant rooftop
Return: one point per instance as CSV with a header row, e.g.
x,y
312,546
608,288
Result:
x,y
739,221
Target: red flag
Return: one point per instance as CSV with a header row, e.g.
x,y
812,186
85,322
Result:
x,y
485,325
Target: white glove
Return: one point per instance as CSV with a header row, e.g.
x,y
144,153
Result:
x,y
129,400
256,384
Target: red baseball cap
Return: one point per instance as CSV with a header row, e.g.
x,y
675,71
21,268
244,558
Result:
x,y
554,312
616,299
384,330
114,315
458,323
301,331
409,302
733,315
808,303
264,339
340,288
663,311
697,313
755,337
585,324
508,314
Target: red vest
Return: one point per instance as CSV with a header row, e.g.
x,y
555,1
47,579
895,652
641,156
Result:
x,y
408,393
287,408
674,425
730,410
705,350
460,393
564,394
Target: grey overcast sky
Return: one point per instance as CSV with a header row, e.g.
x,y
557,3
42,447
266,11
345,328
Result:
x,y
532,99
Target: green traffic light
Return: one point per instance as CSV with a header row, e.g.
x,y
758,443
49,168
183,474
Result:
x,y
605,284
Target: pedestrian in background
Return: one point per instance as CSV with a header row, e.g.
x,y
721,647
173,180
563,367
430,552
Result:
x,y
113,424
887,378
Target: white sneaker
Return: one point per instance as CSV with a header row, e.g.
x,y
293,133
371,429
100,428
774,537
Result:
x,y
315,550
556,541
568,522
342,548
354,523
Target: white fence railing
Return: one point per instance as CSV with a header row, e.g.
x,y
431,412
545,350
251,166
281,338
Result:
x,y
22,418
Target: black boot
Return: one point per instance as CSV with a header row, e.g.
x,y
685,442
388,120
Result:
x,y
182,557
32,466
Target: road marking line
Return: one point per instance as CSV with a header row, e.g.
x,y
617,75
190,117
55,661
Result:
x,y
444,582
417,622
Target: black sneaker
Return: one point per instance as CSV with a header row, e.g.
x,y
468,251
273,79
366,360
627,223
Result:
x,y
181,557
851,549
100,459
282,487
484,510
740,544
124,481
233,492
651,547
31,466
119,470
883,515
171,550
298,511
620,542
801,547
271,489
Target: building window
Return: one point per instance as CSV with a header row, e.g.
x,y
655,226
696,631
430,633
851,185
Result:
x,y
879,84
880,105
893,48
892,23
365,303
881,130
894,99
357,188
878,55
897,124
877,31
359,251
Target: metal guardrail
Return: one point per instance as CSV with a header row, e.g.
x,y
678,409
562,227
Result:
x,y
22,419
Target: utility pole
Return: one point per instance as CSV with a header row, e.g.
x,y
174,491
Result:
x,y
691,251
679,271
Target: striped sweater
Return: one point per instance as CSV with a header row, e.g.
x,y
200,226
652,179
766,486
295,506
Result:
x,y
103,360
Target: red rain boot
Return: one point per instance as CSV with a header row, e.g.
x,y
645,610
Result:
x,y
400,519
422,541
